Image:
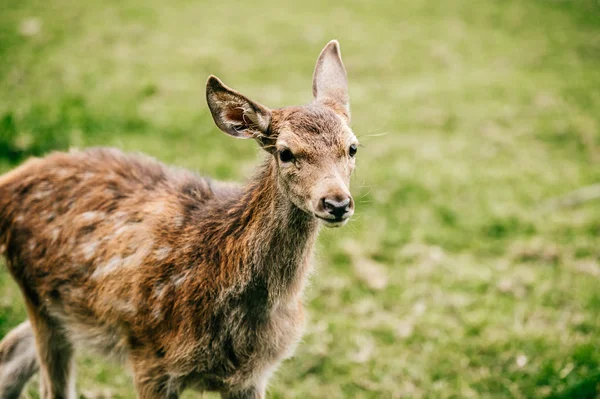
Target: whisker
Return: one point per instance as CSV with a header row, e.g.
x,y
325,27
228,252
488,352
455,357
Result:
x,y
365,194
376,135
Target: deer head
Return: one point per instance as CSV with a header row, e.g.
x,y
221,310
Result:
x,y
312,146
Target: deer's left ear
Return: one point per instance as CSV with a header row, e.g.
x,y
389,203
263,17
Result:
x,y
234,113
330,82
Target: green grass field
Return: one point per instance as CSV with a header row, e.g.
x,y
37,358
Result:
x,y
454,280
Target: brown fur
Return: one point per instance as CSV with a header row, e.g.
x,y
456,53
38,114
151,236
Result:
x,y
192,282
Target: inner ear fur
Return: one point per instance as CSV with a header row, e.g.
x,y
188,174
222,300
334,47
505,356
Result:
x,y
235,114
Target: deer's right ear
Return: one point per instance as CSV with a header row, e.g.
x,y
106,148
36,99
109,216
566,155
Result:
x,y
234,113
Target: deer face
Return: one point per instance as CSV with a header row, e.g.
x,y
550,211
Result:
x,y
313,146
315,153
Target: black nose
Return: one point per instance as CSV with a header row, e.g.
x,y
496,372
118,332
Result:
x,y
336,208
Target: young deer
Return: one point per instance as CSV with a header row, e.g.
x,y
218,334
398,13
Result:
x,y
194,283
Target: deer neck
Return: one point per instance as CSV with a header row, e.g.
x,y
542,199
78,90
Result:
x,y
276,239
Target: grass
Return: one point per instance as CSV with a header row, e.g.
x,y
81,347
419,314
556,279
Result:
x,y
451,282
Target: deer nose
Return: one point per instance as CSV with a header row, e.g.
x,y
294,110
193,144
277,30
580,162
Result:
x,y
337,208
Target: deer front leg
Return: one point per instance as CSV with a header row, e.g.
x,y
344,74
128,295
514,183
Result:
x,y
246,393
150,391
151,380
55,356
153,389
255,391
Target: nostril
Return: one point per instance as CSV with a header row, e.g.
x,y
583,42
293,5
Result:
x,y
336,208
350,205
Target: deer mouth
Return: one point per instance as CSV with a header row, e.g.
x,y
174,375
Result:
x,y
334,222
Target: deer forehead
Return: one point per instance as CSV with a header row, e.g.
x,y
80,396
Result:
x,y
314,130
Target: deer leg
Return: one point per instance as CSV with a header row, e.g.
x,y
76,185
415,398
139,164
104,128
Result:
x,y
55,356
150,390
151,382
18,360
252,392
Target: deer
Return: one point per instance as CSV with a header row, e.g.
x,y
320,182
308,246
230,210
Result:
x,y
190,282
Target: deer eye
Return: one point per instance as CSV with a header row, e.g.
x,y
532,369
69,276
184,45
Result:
x,y
286,155
352,150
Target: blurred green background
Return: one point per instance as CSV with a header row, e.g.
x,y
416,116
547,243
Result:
x,y
455,280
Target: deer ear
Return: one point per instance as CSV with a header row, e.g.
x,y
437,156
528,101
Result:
x,y
330,82
234,113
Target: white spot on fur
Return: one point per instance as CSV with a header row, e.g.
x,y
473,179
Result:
x,y
19,218
91,215
124,306
180,279
103,269
178,221
162,252
62,173
41,194
32,244
89,250
158,209
157,313
121,230
159,290
54,234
